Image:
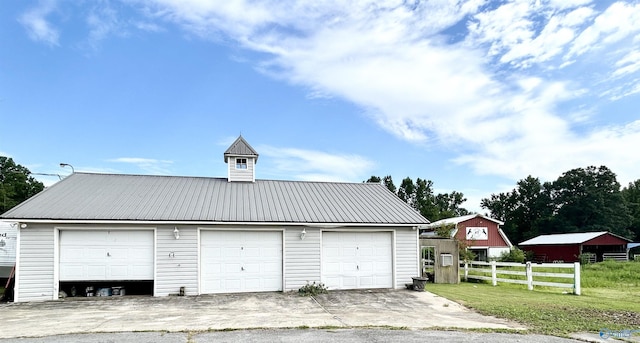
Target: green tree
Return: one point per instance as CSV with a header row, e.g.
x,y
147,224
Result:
x,y
523,210
420,196
424,199
589,199
449,205
631,195
388,181
16,184
374,179
407,191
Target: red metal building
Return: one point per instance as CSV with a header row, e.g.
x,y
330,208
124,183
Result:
x,y
568,247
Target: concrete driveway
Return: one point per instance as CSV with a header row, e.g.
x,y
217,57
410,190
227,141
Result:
x,y
338,309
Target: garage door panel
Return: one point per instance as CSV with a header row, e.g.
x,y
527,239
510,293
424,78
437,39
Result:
x,y
231,267
72,254
273,267
348,282
367,282
331,268
74,272
94,253
366,267
231,252
139,253
231,284
367,252
118,271
94,272
349,252
349,267
249,261
352,260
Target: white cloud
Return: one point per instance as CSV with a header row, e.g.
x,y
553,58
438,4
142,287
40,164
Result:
x,y
149,165
103,21
513,30
495,97
629,64
311,165
36,23
616,23
147,26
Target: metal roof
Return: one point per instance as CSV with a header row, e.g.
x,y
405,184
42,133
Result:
x,y
565,238
86,196
240,148
458,220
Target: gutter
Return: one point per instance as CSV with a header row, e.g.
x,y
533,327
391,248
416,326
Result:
x,y
182,222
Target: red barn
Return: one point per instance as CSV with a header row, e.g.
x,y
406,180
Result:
x,y
568,247
482,234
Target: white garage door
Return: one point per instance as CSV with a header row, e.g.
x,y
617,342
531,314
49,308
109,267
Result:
x,y
241,261
352,260
106,255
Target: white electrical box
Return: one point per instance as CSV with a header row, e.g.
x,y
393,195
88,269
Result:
x,y
446,260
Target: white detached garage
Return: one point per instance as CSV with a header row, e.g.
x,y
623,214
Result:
x,y
212,235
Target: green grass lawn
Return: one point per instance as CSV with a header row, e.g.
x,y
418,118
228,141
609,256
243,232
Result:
x,y
610,299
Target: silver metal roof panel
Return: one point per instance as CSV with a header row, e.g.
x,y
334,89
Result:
x,y
86,196
563,238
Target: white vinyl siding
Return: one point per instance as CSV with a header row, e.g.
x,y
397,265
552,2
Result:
x,y
407,263
176,261
246,175
35,279
302,258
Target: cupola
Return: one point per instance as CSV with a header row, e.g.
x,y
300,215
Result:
x,y
241,159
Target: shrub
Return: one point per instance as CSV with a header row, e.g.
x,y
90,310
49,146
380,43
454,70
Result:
x,y
311,289
513,255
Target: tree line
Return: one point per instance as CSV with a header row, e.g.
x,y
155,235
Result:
x,y
580,200
420,196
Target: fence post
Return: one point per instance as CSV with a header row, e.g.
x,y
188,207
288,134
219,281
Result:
x,y
529,272
466,271
493,273
576,278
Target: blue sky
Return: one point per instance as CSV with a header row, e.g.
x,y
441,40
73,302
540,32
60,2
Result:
x,y
471,95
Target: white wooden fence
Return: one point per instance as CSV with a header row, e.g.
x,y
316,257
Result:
x,y
616,256
528,272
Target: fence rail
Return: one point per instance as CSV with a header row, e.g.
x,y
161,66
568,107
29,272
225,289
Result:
x,y
528,273
617,256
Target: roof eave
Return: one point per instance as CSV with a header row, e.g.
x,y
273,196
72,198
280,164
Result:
x,y
204,222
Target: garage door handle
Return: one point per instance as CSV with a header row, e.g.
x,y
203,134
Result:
x,y
358,267
108,254
241,268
